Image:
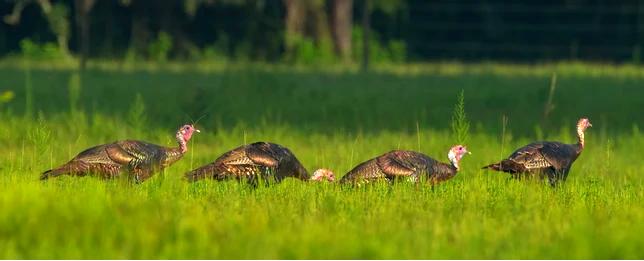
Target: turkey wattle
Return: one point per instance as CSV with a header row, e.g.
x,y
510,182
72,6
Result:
x,y
136,158
545,159
406,164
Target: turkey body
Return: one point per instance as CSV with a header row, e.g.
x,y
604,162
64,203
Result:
x,y
136,158
260,160
399,164
545,160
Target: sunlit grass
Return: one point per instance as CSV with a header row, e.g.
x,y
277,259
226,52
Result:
x,y
327,120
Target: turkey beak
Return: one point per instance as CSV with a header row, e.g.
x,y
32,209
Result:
x,y
469,152
197,130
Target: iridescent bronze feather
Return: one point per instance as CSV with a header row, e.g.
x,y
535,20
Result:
x,y
135,158
410,165
259,160
544,160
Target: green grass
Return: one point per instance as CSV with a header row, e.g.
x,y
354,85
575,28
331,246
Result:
x,y
329,119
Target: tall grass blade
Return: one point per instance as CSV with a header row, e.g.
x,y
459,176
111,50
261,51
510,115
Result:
x,y
460,125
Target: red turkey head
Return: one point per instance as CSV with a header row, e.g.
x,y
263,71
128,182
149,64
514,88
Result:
x,y
583,124
456,153
322,175
186,131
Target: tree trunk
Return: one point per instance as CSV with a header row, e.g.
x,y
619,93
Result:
x,y
366,12
342,22
295,17
171,18
83,7
139,33
319,21
109,31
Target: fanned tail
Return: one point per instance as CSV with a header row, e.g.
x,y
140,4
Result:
x,y
207,171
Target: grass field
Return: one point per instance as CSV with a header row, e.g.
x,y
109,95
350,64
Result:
x,y
328,119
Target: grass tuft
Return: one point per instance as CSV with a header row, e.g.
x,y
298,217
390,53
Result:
x,y
460,124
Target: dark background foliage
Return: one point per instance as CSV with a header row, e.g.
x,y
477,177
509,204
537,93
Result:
x,y
307,31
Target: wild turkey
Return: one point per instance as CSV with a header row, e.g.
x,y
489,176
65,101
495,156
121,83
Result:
x,y
137,158
545,159
411,165
260,160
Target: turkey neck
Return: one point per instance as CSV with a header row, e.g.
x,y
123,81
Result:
x,y
580,139
174,154
447,171
302,173
454,166
453,160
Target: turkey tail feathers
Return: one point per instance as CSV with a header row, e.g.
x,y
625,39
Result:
x,y
494,166
52,173
506,166
201,173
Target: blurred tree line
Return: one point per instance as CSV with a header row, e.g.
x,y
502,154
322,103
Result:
x,y
323,31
